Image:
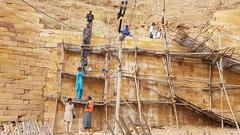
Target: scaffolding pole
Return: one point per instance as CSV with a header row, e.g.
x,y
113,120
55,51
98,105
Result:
x,y
60,70
118,87
105,98
167,62
223,88
136,81
209,86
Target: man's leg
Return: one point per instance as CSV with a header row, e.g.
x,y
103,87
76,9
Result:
x,y
124,11
67,126
80,93
70,126
122,37
120,12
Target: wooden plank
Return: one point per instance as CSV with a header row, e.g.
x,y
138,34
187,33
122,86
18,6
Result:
x,y
128,132
109,128
149,130
133,125
119,127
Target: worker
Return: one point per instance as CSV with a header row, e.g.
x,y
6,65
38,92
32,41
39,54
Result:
x,y
123,7
69,114
87,119
153,33
90,18
79,83
124,32
87,33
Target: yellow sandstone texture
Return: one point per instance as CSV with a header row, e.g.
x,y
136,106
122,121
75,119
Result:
x,y
28,73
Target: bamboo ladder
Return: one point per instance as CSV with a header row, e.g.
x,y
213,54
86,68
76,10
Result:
x,y
167,62
223,88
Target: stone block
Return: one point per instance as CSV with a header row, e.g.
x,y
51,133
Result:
x,y
6,95
31,96
8,118
36,92
18,107
36,102
15,112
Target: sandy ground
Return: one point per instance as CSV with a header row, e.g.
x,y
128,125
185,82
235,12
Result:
x,y
186,130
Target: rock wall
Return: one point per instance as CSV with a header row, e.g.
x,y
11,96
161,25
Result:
x,y
28,73
23,66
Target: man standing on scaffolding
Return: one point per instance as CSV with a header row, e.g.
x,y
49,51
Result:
x,y
90,18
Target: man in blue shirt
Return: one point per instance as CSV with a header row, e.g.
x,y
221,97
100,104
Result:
x,y
125,32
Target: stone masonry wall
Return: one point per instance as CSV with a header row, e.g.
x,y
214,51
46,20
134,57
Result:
x,y
23,66
28,74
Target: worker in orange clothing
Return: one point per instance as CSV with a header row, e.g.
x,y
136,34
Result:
x,y
87,119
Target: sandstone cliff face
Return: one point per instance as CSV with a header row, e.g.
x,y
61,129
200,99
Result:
x,y
29,53
23,66
191,13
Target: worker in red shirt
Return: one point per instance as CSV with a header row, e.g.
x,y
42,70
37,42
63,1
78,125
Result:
x,y
87,120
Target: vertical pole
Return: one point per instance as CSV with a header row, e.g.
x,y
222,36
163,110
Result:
x,y
220,64
106,87
60,70
137,87
222,82
119,74
168,62
209,86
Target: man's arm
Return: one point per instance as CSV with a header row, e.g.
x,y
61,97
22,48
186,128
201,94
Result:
x,y
62,100
83,32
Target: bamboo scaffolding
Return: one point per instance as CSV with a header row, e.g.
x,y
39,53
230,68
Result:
x,y
60,70
223,60
209,86
167,63
214,86
225,92
101,49
133,125
105,98
220,64
190,43
140,122
127,130
137,87
118,86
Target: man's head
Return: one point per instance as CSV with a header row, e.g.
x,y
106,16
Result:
x,y
79,69
89,98
69,100
127,26
90,12
153,24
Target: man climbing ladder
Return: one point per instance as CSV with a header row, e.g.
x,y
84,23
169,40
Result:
x,y
121,13
87,32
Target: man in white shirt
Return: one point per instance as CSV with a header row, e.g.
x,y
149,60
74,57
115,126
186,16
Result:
x,y
153,33
69,114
